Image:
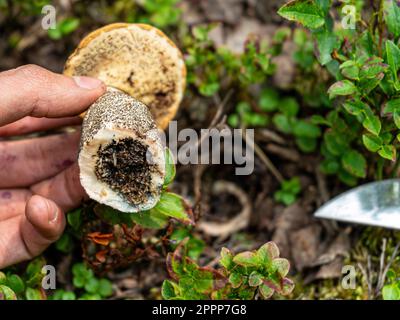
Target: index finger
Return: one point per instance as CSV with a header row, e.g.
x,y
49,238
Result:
x,y
34,91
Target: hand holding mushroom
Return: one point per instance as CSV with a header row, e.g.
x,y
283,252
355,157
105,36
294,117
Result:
x,y
39,177
142,78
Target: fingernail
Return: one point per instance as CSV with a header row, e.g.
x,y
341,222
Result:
x,y
51,209
87,82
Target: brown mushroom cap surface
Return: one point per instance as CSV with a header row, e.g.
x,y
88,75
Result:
x,y
137,59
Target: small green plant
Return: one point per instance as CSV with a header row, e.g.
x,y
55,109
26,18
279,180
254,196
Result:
x,y
245,276
209,67
284,113
161,13
63,28
27,286
363,130
194,245
84,280
289,191
391,291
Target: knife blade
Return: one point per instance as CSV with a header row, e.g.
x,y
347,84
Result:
x,y
376,204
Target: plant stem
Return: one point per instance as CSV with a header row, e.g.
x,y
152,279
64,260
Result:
x,y
379,170
396,168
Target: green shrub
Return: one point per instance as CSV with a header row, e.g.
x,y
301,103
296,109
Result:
x,y
362,131
245,276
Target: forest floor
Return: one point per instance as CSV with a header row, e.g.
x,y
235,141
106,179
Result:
x,y
317,249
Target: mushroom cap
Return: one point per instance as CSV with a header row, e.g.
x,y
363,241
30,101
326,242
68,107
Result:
x,y
137,59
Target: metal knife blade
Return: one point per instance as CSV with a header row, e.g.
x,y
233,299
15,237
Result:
x,y
376,204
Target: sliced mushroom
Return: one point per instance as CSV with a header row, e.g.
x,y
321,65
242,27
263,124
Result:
x,y
121,157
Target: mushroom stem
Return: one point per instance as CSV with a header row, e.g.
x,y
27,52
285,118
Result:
x,y
121,156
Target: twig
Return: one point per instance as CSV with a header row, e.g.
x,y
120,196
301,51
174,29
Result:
x,y
389,264
239,222
200,168
283,152
263,157
381,266
321,182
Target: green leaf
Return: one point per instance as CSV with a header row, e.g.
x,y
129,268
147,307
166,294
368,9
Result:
x,y
342,88
329,166
92,285
306,144
372,123
209,89
336,143
33,294
6,293
393,58
326,43
151,219
33,274
74,219
233,120
285,197
69,25
305,129
105,288
392,106
350,69
282,123
226,258
396,118
355,163
347,178
172,205
287,287
372,142
269,100
355,107
168,290
281,265
170,169
306,12
235,279
247,259
267,252
391,292
265,291
388,152
289,106
392,16
65,243
15,283
255,279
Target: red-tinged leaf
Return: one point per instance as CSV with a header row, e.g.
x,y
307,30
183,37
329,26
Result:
x,y
175,260
236,279
247,259
268,252
282,266
226,258
276,286
101,256
100,238
255,279
266,292
287,287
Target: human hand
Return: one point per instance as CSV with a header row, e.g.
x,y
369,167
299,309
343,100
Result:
x,y
39,177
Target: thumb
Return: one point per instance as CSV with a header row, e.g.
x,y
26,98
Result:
x,y
43,224
33,91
